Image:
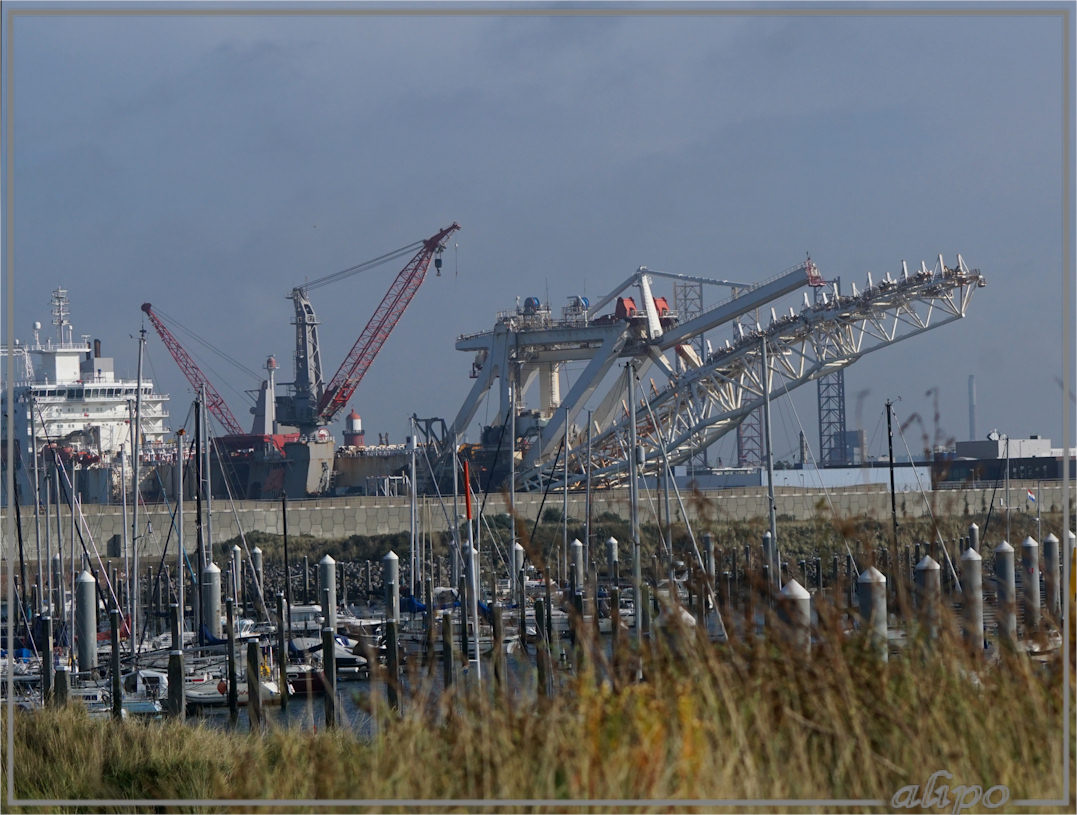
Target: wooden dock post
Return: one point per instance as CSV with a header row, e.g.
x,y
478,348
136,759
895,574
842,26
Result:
x,y
329,669
233,688
254,685
63,685
114,671
177,704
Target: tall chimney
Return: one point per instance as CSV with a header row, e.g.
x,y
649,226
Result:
x,y
972,407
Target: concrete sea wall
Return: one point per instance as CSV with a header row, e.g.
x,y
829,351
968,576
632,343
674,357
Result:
x,y
335,518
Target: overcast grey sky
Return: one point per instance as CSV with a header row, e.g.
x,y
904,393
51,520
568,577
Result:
x,y
209,163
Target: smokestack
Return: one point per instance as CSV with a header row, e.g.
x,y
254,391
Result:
x,y
972,407
97,349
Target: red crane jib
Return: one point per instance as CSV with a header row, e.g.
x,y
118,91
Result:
x,y
381,324
214,402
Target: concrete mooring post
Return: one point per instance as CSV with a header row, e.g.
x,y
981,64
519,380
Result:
x,y
972,585
794,610
390,576
1051,575
928,581
86,622
1006,593
1030,583
259,573
611,560
974,536
518,555
327,590
211,599
576,559
237,573
871,589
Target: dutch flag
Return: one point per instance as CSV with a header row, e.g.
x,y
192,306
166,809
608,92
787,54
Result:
x,y
1031,496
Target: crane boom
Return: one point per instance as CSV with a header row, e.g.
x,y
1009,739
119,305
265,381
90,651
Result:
x,y
382,322
214,402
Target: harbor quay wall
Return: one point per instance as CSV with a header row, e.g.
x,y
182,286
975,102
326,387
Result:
x,y
338,518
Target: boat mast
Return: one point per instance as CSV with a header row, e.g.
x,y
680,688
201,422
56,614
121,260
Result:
x,y
513,576
633,500
890,445
133,584
37,498
413,513
209,484
563,570
472,566
287,621
181,553
200,553
775,566
59,611
587,500
126,556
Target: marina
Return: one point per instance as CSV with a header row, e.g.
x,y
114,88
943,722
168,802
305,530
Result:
x,y
169,649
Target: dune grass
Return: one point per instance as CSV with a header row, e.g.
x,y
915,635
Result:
x,y
748,720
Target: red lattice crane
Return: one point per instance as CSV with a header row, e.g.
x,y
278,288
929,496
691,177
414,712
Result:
x,y
214,402
385,317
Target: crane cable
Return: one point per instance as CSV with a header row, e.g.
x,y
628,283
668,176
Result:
x,y
360,267
206,343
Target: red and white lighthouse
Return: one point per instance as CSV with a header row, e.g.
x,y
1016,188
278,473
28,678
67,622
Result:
x,y
353,431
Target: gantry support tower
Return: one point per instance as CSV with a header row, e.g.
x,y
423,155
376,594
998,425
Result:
x,y
831,401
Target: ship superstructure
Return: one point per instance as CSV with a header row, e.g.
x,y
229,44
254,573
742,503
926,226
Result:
x,y
68,399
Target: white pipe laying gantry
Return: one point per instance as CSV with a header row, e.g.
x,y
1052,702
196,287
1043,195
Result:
x,y
700,399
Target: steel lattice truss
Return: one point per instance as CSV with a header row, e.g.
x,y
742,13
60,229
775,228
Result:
x,y
698,406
